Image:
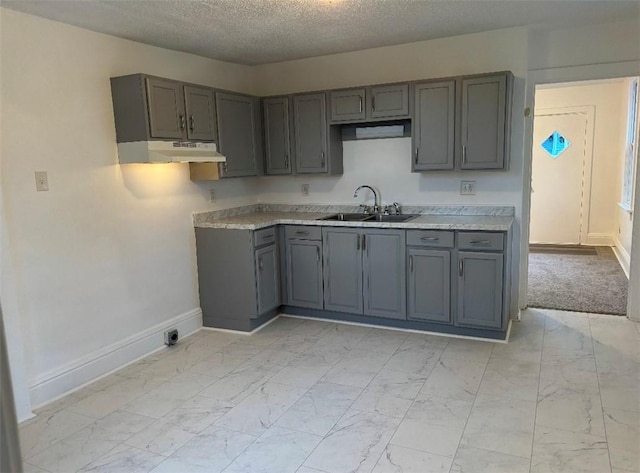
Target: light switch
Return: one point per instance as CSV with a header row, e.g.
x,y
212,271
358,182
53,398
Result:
x,y
42,181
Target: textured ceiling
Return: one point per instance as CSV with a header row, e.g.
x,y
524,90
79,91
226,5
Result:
x,y
265,31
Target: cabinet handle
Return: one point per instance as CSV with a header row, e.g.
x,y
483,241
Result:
x,y
358,242
360,97
318,252
364,242
260,263
267,237
191,123
302,232
322,161
460,267
411,264
286,161
416,158
481,242
464,154
181,117
373,103
224,167
429,238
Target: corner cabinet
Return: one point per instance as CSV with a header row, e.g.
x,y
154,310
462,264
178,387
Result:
x,y
318,147
147,108
239,134
462,123
240,286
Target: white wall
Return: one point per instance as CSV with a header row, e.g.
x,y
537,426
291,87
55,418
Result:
x,y
109,251
606,98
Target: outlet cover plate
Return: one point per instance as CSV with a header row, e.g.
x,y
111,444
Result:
x,y
467,187
305,189
42,181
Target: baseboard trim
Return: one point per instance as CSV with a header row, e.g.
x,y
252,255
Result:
x,y
623,257
60,381
599,239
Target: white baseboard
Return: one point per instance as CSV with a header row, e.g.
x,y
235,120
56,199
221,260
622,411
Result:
x,y
55,383
623,257
600,239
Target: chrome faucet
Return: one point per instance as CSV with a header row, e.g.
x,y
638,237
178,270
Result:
x,y
376,197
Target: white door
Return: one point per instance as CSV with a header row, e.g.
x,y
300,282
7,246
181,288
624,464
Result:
x,y
558,178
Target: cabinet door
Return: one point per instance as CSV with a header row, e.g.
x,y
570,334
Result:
x,y
434,126
267,279
480,277
201,118
342,269
166,109
384,273
483,122
389,101
429,281
310,123
237,134
304,273
347,105
276,135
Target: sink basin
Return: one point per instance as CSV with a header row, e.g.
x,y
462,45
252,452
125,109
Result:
x,y
390,218
348,217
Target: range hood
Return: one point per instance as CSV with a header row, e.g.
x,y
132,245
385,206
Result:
x,y
168,152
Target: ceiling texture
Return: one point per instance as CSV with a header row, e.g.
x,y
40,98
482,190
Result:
x,y
266,31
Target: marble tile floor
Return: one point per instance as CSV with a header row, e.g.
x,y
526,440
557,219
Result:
x,y
304,396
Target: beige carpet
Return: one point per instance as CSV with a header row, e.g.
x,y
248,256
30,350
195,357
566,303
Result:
x,y
579,279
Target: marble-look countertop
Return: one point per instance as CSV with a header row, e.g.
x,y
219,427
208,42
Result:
x,y
254,220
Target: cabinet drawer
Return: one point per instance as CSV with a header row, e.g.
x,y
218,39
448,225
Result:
x,y
303,232
266,236
481,241
433,238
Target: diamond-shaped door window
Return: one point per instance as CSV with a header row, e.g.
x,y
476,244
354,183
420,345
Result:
x,y
555,144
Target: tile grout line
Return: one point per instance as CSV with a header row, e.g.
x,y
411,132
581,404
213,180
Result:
x,y
604,422
535,415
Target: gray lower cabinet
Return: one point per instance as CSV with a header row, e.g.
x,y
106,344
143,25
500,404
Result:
x,y
433,128
429,285
238,276
364,271
277,145
342,249
239,134
480,289
304,273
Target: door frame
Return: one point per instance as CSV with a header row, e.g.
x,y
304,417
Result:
x,y
587,161
554,76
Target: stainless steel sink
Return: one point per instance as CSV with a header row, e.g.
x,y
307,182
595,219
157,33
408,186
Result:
x,y
358,217
390,218
348,217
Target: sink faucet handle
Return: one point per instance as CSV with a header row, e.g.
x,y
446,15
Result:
x,y
398,208
364,208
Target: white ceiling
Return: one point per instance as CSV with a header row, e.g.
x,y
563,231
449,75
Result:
x,y
266,31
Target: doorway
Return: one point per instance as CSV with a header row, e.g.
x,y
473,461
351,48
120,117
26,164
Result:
x,y
576,224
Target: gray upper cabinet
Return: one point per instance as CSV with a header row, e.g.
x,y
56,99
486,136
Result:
x,y
304,273
267,278
238,134
200,113
429,285
276,135
310,133
166,108
433,129
480,290
389,101
376,103
483,120
384,273
347,105
342,248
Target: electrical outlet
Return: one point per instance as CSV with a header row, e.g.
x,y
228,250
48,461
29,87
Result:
x,y
305,189
467,187
212,195
42,181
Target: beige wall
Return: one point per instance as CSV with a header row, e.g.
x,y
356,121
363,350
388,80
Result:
x,y
606,98
109,251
